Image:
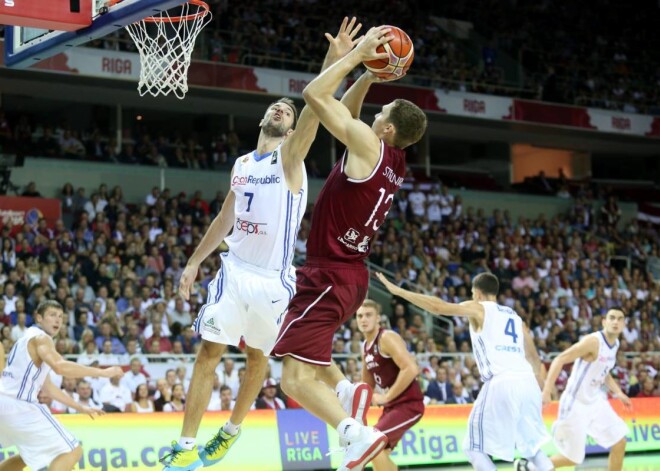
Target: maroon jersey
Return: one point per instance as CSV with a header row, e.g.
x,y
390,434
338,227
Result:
x,y
348,212
385,372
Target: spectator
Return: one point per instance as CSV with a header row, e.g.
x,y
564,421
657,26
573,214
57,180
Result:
x,y
134,376
268,398
142,404
177,402
440,391
115,397
84,397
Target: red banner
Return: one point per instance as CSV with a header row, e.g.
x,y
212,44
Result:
x,y
19,210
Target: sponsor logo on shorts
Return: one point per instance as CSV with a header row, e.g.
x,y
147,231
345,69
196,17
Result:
x,y
251,228
252,180
210,326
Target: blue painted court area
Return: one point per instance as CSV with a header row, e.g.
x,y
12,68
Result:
x,y
634,462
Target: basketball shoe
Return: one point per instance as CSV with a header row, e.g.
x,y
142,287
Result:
x,y
355,402
217,447
523,464
363,449
181,460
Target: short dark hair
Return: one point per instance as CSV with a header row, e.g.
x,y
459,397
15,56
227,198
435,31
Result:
x,y
224,387
409,121
487,283
49,303
291,103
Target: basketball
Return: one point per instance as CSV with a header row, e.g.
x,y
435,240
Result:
x,y
401,53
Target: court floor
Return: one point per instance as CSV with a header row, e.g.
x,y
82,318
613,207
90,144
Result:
x,y
633,462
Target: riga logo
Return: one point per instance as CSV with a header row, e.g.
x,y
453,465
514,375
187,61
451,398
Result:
x,y
9,3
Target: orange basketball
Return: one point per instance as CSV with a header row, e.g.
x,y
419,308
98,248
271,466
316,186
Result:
x,y
401,57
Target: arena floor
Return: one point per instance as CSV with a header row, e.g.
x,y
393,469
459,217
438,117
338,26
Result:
x,y
636,462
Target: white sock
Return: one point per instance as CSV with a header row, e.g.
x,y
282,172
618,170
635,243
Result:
x,y
480,461
187,443
231,428
542,462
342,386
349,428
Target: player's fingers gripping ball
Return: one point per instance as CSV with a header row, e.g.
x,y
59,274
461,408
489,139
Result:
x,y
401,54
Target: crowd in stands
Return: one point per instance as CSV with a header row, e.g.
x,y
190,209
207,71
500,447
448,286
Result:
x,y
582,59
114,266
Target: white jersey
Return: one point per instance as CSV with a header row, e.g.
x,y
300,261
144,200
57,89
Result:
x,y
587,377
500,346
21,379
267,215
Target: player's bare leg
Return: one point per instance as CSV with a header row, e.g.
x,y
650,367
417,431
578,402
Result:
x,y
255,373
66,461
201,386
383,462
299,380
560,461
617,452
330,375
15,463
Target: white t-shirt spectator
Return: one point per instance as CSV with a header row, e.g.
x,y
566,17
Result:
x,y
132,381
417,201
118,396
17,332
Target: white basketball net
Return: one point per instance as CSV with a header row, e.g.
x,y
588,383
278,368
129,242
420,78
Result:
x,y
165,43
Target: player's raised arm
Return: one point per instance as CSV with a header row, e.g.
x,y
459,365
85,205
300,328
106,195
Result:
x,y
336,117
431,303
587,348
60,396
296,146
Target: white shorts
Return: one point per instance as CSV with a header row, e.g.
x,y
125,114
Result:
x,y
33,430
245,301
577,420
506,417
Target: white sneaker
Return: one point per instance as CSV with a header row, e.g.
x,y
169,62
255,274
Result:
x,y
522,464
359,452
356,401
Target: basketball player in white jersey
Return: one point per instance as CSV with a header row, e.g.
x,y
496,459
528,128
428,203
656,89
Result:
x,y
507,413
583,408
41,441
252,289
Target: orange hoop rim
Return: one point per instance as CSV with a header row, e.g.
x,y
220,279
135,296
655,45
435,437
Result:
x,y
202,12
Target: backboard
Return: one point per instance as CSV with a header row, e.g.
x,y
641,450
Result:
x,y
25,46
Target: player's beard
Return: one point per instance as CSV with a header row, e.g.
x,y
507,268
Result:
x,y
274,129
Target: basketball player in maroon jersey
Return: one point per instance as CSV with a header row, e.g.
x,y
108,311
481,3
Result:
x,y
386,362
349,210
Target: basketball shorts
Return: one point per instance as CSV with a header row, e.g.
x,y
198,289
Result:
x,y
399,418
33,430
326,297
245,301
577,420
506,417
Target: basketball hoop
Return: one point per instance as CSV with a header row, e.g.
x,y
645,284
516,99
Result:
x,y
165,42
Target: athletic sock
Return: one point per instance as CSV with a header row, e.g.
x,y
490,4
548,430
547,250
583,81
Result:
x,y
187,443
231,428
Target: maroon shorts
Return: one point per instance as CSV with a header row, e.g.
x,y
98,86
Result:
x,y
326,296
398,418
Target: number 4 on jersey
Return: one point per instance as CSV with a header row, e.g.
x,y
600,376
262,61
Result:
x,y
510,329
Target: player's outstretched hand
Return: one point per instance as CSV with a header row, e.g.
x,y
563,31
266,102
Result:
x,y
345,40
188,277
92,412
546,398
376,36
113,371
627,403
391,287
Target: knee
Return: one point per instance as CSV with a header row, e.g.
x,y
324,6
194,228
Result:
x,y
289,383
209,355
76,454
619,447
256,359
